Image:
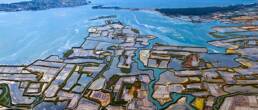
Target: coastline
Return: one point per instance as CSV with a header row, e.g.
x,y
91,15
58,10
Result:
x,y
118,67
35,5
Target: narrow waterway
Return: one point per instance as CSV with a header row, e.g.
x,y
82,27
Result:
x,y
156,76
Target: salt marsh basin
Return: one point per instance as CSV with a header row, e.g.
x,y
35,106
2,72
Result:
x,y
129,57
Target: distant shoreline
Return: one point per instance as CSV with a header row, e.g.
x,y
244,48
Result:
x,y
203,10
198,11
41,5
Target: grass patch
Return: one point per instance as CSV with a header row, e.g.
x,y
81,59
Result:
x,y
112,80
220,100
125,70
91,65
5,98
68,53
135,30
191,90
118,102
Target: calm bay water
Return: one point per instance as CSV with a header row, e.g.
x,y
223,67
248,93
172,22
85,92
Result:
x,y
12,1
29,35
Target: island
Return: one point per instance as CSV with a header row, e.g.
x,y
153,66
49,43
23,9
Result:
x,y
41,5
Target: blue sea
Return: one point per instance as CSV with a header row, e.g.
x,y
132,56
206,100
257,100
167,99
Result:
x,y
28,35
12,1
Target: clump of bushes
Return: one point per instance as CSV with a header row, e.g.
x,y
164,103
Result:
x,y
68,53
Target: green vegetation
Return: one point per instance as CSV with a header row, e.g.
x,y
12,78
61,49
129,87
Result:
x,y
200,11
112,80
91,65
219,100
118,102
128,85
113,47
68,53
125,70
135,30
191,90
5,98
137,85
216,35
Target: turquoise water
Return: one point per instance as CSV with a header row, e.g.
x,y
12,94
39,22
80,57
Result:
x,y
26,36
29,35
